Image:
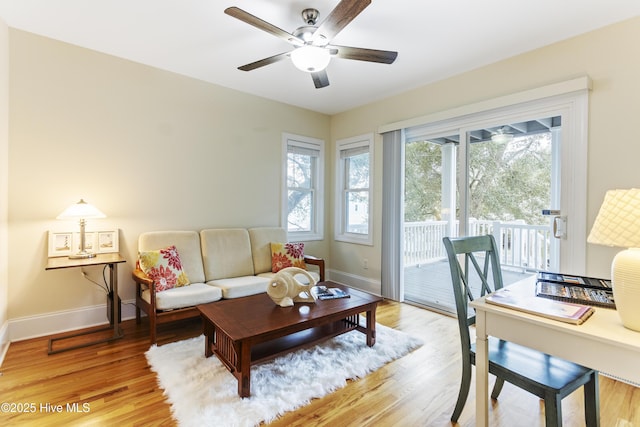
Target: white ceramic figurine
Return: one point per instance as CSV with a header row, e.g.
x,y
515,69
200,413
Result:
x,y
285,290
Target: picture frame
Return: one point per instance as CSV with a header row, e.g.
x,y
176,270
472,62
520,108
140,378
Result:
x,y
106,242
60,243
65,243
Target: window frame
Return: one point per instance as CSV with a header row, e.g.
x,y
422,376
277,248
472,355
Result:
x,y
341,189
317,188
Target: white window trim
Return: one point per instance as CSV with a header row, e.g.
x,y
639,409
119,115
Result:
x,y
317,231
340,216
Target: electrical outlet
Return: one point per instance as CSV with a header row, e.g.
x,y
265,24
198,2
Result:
x,y
365,263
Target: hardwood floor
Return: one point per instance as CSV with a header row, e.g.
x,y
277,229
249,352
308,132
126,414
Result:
x,y
111,384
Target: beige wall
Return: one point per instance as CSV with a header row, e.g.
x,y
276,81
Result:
x,y
151,149
4,176
607,56
155,150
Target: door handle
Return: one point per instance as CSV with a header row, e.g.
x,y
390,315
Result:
x,y
560,227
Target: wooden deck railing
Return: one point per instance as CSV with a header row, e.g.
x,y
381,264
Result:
x,y
521,245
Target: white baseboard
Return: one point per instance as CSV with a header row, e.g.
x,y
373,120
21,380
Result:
x,y
63,321
613,377
4,341
68,320
358,282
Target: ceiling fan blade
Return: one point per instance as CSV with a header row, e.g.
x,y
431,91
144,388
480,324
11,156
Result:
x,y
262,25
339,17
362,54
320,79
263,62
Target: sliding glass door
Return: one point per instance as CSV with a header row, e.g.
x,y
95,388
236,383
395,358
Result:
x,y
490,167
482,178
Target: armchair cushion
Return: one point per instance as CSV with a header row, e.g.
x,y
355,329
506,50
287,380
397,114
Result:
x,y
261,238
186,242
192,295
237,287
285,255
164,267
226,252
299,277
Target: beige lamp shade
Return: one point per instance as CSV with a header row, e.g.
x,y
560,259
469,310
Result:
x,y
618,224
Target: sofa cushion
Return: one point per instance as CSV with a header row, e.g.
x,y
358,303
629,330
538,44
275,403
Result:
x,y
186,296
226,253
285,255
164,267
186,242
299,277
261,238
241,286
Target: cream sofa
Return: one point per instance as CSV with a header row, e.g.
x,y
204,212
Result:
x,y
220,263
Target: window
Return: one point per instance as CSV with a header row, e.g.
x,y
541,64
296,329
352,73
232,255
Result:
x,y
354,160
303,192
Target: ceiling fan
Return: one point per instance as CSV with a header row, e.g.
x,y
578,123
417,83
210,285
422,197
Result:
x,y
312,48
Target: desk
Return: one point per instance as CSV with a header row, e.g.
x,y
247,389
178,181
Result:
x,y
601,343
112,260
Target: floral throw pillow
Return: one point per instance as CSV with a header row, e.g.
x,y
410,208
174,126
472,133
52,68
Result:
x,y
164,267
285,255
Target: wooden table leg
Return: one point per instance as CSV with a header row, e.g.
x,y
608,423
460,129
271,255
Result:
x,y
209,331
371,326
244,377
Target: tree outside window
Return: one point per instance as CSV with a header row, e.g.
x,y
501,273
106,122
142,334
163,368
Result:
x,y
507,182
303,195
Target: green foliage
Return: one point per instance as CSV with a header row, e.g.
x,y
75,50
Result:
x,y
423,181
510,181
507,182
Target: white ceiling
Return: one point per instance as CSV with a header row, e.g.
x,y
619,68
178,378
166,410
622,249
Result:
x,y
434,39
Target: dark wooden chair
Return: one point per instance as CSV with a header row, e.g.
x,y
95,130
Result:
x,y
545,376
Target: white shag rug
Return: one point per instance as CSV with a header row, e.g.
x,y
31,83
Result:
x,y
202,392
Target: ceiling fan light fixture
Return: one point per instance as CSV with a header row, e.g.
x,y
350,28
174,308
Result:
x,y
310,59
501,136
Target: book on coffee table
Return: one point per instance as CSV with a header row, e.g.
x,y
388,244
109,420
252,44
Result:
x,y
563,311
324,293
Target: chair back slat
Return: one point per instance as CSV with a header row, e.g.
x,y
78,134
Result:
x,y
469,274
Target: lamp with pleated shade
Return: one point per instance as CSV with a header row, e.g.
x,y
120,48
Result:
x,y
618,224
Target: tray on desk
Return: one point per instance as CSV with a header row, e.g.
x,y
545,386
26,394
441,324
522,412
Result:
x,y
569,279
575,293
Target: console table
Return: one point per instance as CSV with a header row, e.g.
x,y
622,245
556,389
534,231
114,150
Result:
x,y
600,343
111,260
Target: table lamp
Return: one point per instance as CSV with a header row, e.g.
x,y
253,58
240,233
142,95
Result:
x,y
618,224
81,210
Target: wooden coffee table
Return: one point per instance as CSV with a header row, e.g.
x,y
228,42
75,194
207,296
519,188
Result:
x,y
247,330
